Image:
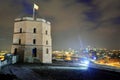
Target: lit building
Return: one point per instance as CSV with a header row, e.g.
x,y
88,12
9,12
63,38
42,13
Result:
x,y
32,40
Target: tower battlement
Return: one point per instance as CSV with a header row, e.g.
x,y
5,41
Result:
x,y
31,19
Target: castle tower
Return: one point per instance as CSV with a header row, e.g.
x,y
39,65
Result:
x,y
32,40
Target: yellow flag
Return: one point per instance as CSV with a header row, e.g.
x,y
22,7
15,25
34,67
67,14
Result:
x,y
36,6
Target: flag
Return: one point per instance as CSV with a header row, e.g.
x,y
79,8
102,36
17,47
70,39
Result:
x,y
36,6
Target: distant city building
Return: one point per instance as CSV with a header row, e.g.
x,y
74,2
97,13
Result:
x,y
32,40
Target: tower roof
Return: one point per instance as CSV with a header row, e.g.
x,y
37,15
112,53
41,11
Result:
x,y
31,19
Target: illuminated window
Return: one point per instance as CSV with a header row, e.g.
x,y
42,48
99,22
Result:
x,y
34,41
20,30
46,42
34,30
34,52
19,41
47,50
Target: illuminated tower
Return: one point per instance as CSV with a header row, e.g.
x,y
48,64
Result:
x,y
32,40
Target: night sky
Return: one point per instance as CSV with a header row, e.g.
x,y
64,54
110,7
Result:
x,y
75,23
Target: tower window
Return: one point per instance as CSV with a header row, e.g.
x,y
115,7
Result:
x,y
34,30
19,41
20,30
34,41
15,51
34,52
46,42
46,32
47,50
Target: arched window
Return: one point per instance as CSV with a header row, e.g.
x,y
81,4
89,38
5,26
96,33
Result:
x,y
20,30
19,41
34,30
34,41
47,50
15,51
34,52
46,42
46,32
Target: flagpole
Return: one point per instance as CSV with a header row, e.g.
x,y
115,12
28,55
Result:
x,y
35,7
33,13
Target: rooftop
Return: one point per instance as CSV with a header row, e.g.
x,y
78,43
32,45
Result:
x,y
31,19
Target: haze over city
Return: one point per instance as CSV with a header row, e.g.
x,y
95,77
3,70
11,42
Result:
x,y
75,23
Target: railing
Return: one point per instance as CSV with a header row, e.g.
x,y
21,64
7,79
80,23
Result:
x,y
6,62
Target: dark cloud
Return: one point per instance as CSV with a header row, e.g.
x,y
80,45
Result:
x,y
116,21
88,2
93,15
